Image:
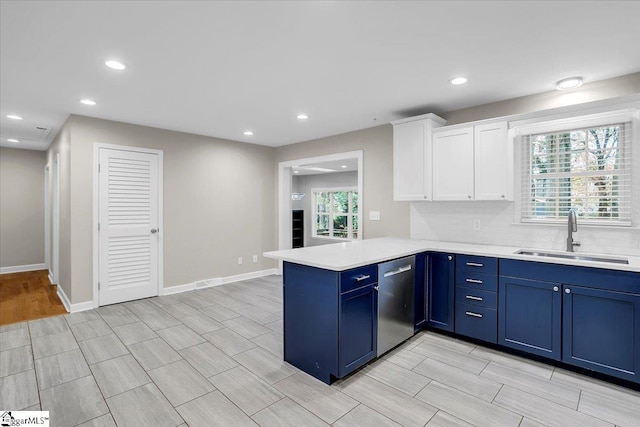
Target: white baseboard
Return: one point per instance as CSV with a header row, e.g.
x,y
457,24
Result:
x,y
51,277
63,298
81,306
217,281
21,268
177,289
247,276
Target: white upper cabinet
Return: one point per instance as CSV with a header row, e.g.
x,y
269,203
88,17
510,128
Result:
x,y
473,163
493,162
453,164
412,150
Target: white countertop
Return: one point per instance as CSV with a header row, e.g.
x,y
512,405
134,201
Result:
x,y
347,255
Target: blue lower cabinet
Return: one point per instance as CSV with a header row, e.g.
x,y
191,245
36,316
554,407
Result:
x,y
440,291
601,331
357,328
530,316
420,300
477,322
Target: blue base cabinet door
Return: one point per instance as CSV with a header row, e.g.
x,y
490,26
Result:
x,y
420,291
440,291
529,316
358,331
601,331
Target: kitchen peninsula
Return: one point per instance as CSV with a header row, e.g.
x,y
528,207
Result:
x,y
489,293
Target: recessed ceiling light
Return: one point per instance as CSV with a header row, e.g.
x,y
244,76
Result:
x,y
88,101
302,116
296,171
569,83
12,140
458,81
343,166
248,132
116,65
13,117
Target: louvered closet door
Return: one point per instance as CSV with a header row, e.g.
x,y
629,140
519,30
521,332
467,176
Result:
x,y
129,236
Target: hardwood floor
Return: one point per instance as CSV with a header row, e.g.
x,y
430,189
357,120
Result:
x,y
27,296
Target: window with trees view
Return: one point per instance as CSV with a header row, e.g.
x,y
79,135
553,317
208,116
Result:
x,y
588,170
335,213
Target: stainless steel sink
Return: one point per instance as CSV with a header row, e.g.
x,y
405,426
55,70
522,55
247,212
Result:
x,y
581,257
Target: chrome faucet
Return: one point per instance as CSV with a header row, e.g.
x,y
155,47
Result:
x,y
572,225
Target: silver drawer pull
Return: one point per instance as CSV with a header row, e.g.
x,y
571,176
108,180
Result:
x,y
362,277
479,282
475,264
473,298
472,314
398,271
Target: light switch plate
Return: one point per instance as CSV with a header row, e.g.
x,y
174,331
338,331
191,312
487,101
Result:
x,y
374,215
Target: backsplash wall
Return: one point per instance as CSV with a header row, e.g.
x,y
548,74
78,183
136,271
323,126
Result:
x,y
453,222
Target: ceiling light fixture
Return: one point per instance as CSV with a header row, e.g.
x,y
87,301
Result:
x,y
115,65
13,117
88,101
248,132
343,166
302,116
296,171
458,81
13,140
569,83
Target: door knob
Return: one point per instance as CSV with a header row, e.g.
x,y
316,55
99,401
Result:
x,y
556,289
154,230
567,291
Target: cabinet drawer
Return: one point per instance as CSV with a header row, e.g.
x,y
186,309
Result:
x,y
480,264
474,280
476,297
477,322
358,277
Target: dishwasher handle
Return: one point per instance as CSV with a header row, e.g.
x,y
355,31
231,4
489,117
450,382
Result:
x,y
398,271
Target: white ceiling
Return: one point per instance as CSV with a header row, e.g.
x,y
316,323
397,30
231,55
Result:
x,y
219,68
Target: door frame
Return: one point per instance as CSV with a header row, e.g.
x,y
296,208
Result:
x,y
54,270
284,193
47,220
96,213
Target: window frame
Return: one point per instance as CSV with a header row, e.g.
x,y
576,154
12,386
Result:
x,y
349,214
519,131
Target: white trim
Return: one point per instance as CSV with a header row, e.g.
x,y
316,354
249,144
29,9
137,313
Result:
x,y
284,192
47,218
63,298
81,306
50,277
217,281
96,206
21,268
55,220
545,125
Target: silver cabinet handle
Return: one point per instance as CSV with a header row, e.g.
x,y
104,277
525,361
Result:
x,y
471,297
154,230
449,257
362,277
398,271
475,264
375,288
567,291
479,282
472,314
556,289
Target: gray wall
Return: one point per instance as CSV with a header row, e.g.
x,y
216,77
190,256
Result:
x,y
305,184
377,145
21,207
218,202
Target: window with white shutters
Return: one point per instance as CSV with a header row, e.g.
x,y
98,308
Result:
x,y
586,168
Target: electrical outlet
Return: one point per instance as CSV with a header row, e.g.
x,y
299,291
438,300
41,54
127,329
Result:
x,y
476,224
374,215
239,260
255,258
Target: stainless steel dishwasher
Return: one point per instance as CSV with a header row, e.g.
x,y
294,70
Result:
x,y
395,302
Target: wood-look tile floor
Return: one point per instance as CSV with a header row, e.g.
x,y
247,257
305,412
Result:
x,y
28,296
213,357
